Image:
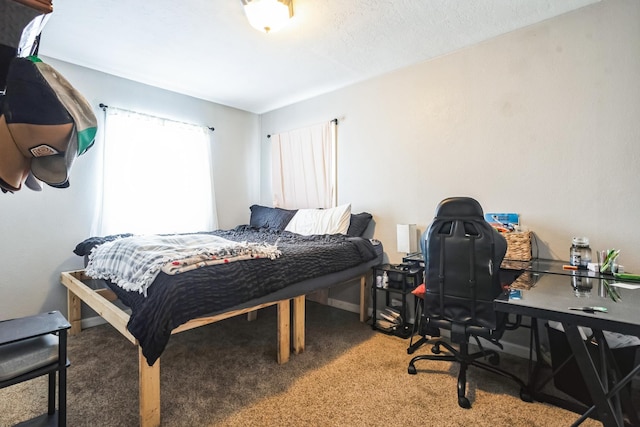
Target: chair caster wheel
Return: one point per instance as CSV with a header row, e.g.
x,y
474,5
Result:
x,y
464,403
435,349
410,350
412,370
525,396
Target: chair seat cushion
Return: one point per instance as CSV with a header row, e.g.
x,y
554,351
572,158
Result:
x,y
21,357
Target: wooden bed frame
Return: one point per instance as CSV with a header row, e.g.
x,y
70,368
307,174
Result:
x,y
101,301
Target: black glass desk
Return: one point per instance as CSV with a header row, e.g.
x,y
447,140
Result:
x,y
551,266
551,298
525,274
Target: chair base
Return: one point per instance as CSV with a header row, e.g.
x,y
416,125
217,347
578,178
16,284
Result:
x,y
413,346
465,360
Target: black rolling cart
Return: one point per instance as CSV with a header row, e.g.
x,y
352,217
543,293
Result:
x,y
400,280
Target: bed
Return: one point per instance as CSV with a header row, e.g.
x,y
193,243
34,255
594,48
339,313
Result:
x,y
198,296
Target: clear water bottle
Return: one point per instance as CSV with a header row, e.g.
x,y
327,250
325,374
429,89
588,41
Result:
x,y
580,252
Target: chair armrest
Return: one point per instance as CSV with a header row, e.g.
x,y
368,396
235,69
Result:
x,y
32,326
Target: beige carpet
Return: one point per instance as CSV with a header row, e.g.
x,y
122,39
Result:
x,y
225,374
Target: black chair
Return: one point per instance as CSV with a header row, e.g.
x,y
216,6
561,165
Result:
x,y
462,255
34,346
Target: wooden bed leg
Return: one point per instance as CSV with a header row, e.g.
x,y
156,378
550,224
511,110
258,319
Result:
x,y
364,300
74,306
284,334
298,324
149,391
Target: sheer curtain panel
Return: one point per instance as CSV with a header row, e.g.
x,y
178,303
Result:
x,y
156,176
303,167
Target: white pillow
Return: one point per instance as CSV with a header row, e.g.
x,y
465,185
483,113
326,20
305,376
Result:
x,y
321,221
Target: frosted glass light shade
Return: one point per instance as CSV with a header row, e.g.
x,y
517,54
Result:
x,y
407,238
268,15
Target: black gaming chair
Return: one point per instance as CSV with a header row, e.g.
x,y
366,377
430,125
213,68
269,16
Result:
x,y
462,254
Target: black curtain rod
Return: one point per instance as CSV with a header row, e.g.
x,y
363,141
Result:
x,y
334,121
104,108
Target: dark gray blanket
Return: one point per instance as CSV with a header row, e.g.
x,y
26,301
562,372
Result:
x,y
175,299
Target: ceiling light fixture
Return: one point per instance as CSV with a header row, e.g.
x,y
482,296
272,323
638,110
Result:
x,y
268,15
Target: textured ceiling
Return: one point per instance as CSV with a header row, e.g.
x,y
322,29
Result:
x,y
206,48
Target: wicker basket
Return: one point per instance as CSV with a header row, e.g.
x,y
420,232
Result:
x,y
518,246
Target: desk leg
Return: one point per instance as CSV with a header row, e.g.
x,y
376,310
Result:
x,y
598,391
534,345
619,389
534,385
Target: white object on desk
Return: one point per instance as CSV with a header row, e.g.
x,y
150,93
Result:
x,y
407,238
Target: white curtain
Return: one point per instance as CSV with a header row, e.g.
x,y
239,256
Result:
x,y
156,176
304,167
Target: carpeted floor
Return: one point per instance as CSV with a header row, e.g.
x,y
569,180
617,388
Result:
x,y
225,374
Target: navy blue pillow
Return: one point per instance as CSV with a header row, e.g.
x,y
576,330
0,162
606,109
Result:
x,y
359,223
266,217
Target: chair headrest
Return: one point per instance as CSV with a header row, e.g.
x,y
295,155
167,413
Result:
x,y
460,207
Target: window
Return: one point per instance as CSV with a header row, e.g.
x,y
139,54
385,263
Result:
x,y
303,166
156,176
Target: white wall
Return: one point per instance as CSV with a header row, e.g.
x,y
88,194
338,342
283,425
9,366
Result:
x,y
39,230
543,121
